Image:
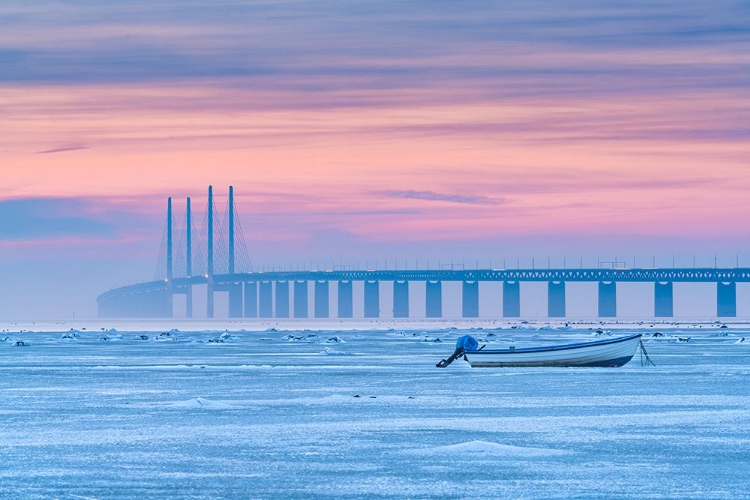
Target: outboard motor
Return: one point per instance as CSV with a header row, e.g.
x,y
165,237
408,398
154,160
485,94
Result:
x,y
464,343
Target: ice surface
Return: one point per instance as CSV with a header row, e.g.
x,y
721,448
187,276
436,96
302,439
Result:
x,y
505,451
200,403
368,416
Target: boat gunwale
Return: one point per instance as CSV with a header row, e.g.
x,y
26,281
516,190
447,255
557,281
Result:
x,y
563,347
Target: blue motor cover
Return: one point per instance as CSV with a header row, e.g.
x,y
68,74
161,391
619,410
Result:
x,y
467,343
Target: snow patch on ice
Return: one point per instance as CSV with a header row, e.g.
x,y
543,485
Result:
x,y
331,352
313,339
427,338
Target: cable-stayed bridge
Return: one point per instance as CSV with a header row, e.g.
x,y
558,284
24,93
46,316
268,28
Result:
x,y
219,261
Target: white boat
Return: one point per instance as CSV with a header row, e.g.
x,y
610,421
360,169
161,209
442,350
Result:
x,y
608,353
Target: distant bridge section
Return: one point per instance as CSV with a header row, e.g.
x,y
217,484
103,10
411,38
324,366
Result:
x,y
267,294
584,275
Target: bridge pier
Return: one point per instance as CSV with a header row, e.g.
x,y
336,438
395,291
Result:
x,y
607,299
300,299
210,299
235,300
556,299
189,301
434,299
251,299
663,299
511,299
726,299
188,259
321,299
170,304
400,299
282,299
266,299
346,300
470,299
210,255
372,299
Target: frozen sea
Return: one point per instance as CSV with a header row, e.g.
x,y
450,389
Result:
x,y
359,410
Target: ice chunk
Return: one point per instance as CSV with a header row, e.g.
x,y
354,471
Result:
x,y
307,338
332,340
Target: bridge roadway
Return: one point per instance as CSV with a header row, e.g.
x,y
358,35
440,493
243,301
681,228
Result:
x,y
252,294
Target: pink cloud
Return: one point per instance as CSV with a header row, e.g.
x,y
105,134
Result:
x,y
579,164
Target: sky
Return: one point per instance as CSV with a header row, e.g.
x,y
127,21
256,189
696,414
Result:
x,y
465,132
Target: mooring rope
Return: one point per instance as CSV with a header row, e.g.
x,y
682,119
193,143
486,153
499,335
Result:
x,y
645,360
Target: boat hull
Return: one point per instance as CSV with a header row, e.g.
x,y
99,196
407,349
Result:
x,y
602,353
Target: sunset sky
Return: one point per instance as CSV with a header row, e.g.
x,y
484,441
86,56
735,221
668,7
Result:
x,y
360,131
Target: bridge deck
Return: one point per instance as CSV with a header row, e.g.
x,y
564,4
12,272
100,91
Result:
x,y
690,275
